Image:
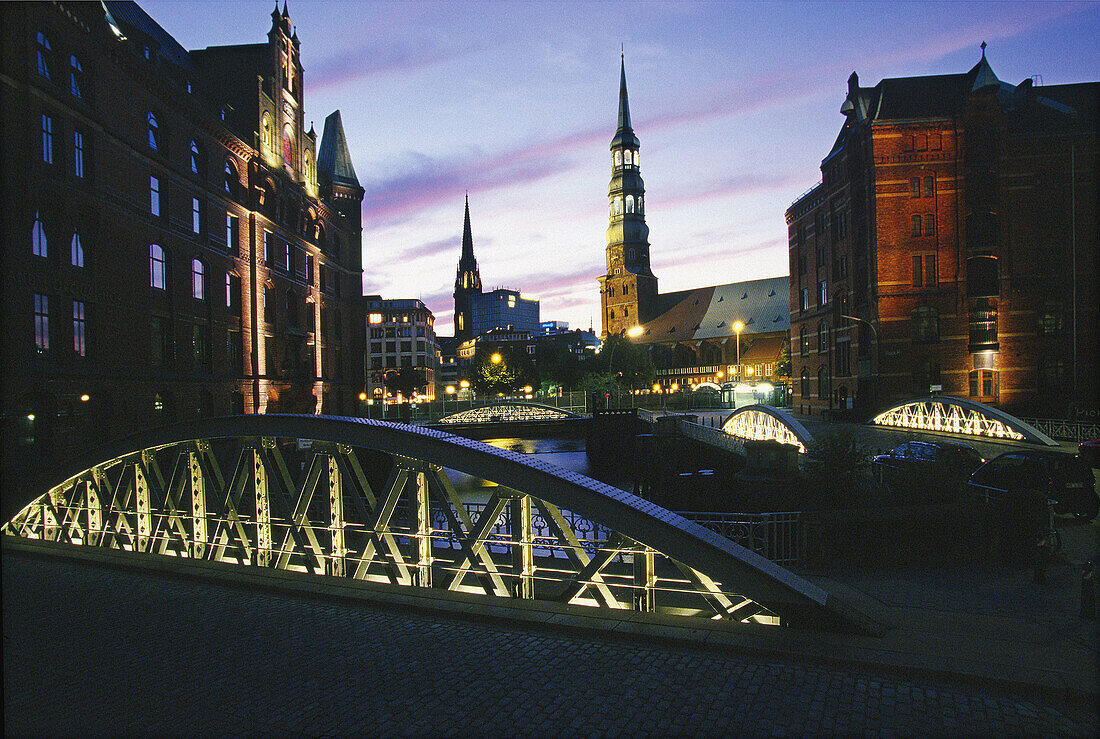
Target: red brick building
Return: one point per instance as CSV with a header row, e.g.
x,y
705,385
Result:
x,y
174,245
951,244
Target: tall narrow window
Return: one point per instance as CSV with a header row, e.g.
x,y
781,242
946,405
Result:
x,y
45,55
41,322
198,280
925,322
309,268
77,251
823,292
929,224
195,158
230,178
38,237
196,215
154,195
268,245
232,292
269,304
76,77
47,139
929,186
154,131
915,230
232,233
914,187
78,153
79,326
157,267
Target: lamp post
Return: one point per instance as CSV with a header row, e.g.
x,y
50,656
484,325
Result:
x,y
877,364
631,332
737,327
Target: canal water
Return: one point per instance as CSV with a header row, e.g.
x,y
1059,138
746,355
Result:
x,y
569,454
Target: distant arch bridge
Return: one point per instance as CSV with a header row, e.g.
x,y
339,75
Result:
x,y
367,500
947,414
506,411
765,422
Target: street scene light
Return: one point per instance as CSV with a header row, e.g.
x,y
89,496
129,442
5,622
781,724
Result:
x,y
737,328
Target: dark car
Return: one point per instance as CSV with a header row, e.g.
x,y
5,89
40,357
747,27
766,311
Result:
x,y
938,468
1026,476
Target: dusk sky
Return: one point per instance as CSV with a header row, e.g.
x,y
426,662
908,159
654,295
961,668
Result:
x,y
735,105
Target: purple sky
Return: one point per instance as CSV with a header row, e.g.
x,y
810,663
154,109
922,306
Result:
x,y
735,104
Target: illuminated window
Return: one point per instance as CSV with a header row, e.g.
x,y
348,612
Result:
x,y
41,322
232,232
230,178
983,385
77,251
640,204
38,237
79,326
804,340
154,195
618,159
47,139
198,280
157,267
629,203
822,292
78,153
196,159
154,131
617,206
44,55
232,292
196,215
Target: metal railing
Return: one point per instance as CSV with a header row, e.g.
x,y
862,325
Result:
x,y
777,536
1063,430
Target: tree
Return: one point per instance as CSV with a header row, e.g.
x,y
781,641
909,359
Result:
x,y
557,365
405,381
500,370
628,365
783,367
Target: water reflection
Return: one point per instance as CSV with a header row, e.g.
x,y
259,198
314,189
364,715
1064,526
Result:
x,y
569,454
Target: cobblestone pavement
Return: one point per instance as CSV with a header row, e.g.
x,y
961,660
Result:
x,y
90,649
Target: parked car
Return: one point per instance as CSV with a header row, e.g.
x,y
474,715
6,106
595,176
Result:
x,y
938,468
1089,451
1029,476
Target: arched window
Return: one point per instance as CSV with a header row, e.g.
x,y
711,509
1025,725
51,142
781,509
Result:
x,y
198,280
38,237
154,131
617,207
196,159
925,322
157,267
76,77
628,157
77,251
45,55
618,159
230,178
822,337
266,132
804,384
629,203
641,204
823,383
804,340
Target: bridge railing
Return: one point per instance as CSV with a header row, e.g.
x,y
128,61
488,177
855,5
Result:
x,y
573,402
1064,430
777,536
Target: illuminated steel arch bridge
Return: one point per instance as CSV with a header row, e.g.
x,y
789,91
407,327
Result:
x,y
509,412
765,422
365,500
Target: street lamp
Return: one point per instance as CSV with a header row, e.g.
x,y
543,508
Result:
x,y
874,369
737,327
630,332
496,358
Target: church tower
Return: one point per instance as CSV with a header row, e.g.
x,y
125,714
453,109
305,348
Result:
x,y
628,292
467,282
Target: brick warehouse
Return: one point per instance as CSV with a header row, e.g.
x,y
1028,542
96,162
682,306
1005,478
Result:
x,y
175,244
955,224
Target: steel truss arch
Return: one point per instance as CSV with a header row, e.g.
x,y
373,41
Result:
x,y
370,500
952,415
765,422
504,412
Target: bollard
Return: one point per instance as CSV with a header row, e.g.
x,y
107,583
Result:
x,y
1088,591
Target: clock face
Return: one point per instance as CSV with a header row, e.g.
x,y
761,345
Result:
x,y
288,146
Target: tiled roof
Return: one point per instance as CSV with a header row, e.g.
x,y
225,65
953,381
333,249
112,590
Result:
x,y
711,312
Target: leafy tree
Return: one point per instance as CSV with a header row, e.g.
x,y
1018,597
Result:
x,y
512,372
628,365
783,367
405,381
557,365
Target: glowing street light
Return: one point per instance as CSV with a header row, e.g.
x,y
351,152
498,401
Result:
x,y
496,358
737,327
